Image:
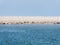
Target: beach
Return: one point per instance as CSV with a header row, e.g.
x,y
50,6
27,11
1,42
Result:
x,y
29,20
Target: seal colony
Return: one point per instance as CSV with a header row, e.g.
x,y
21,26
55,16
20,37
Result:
x,y
29,20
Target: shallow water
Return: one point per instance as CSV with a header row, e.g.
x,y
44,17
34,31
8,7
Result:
x,y
30,34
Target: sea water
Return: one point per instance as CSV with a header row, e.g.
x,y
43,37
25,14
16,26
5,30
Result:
x,y
30,34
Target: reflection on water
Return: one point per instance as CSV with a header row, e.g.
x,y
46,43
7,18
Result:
x,y
34,34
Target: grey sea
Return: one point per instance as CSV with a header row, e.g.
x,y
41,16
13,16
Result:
x,y
30,34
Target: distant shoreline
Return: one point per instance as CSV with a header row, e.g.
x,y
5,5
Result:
x,y
29,19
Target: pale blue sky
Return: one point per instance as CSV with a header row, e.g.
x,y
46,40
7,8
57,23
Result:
x,y
29,7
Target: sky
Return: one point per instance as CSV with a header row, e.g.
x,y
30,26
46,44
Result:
x,y
29,7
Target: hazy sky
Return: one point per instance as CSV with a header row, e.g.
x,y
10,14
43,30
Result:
x,y
29,7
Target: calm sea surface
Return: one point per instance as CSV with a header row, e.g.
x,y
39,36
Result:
x,y
30,34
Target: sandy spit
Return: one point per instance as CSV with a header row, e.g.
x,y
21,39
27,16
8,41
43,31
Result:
x,y
29,20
